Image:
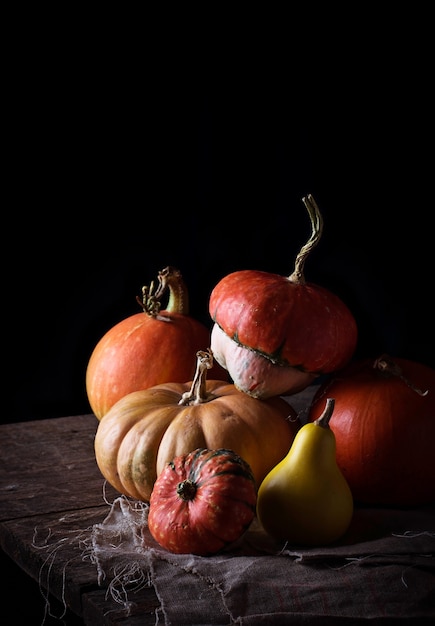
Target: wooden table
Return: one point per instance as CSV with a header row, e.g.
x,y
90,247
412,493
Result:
x,y
49,480
51,486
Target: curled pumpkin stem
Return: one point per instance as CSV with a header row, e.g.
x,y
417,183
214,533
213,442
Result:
x,y
387,366
317,229
170,279
198,391
149,302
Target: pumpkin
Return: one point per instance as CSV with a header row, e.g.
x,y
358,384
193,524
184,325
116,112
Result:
x,y
384,425
202,502
148,348
146,429
275,334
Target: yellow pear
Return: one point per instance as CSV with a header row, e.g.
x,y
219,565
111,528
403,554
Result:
x,y
305,499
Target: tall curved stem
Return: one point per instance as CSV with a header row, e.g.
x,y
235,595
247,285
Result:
x,y
317,229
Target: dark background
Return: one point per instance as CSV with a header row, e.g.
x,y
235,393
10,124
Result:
x,y
118,167
131,144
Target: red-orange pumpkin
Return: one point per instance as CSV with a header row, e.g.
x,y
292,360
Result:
x,y
384,425
202,502
276,334
148,348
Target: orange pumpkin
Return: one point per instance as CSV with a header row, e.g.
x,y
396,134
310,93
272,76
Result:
x,y
146,429
148,348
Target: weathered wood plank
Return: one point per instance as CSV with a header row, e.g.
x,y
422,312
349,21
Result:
x,y
52,550
55,553
51,490
49,466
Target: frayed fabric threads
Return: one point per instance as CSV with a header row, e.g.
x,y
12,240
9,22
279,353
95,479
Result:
x,y
121,532
108,546
54,550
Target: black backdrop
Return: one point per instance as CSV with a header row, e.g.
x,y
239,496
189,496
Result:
x,y
115,174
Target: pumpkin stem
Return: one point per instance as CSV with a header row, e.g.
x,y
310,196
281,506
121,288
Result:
x,y
186,490
178,302
317,229
387,367
198,391
171,278
323,420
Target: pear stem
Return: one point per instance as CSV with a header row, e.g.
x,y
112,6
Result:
x,y
323,420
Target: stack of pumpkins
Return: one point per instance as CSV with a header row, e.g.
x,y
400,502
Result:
x,y
212,453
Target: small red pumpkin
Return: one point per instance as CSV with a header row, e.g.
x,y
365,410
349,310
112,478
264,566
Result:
x,y
148,348
275,334
384,425
202,502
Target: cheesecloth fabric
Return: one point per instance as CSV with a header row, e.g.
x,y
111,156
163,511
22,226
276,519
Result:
x,y
383,568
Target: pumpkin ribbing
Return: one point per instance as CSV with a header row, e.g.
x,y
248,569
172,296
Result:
x,y
219,507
